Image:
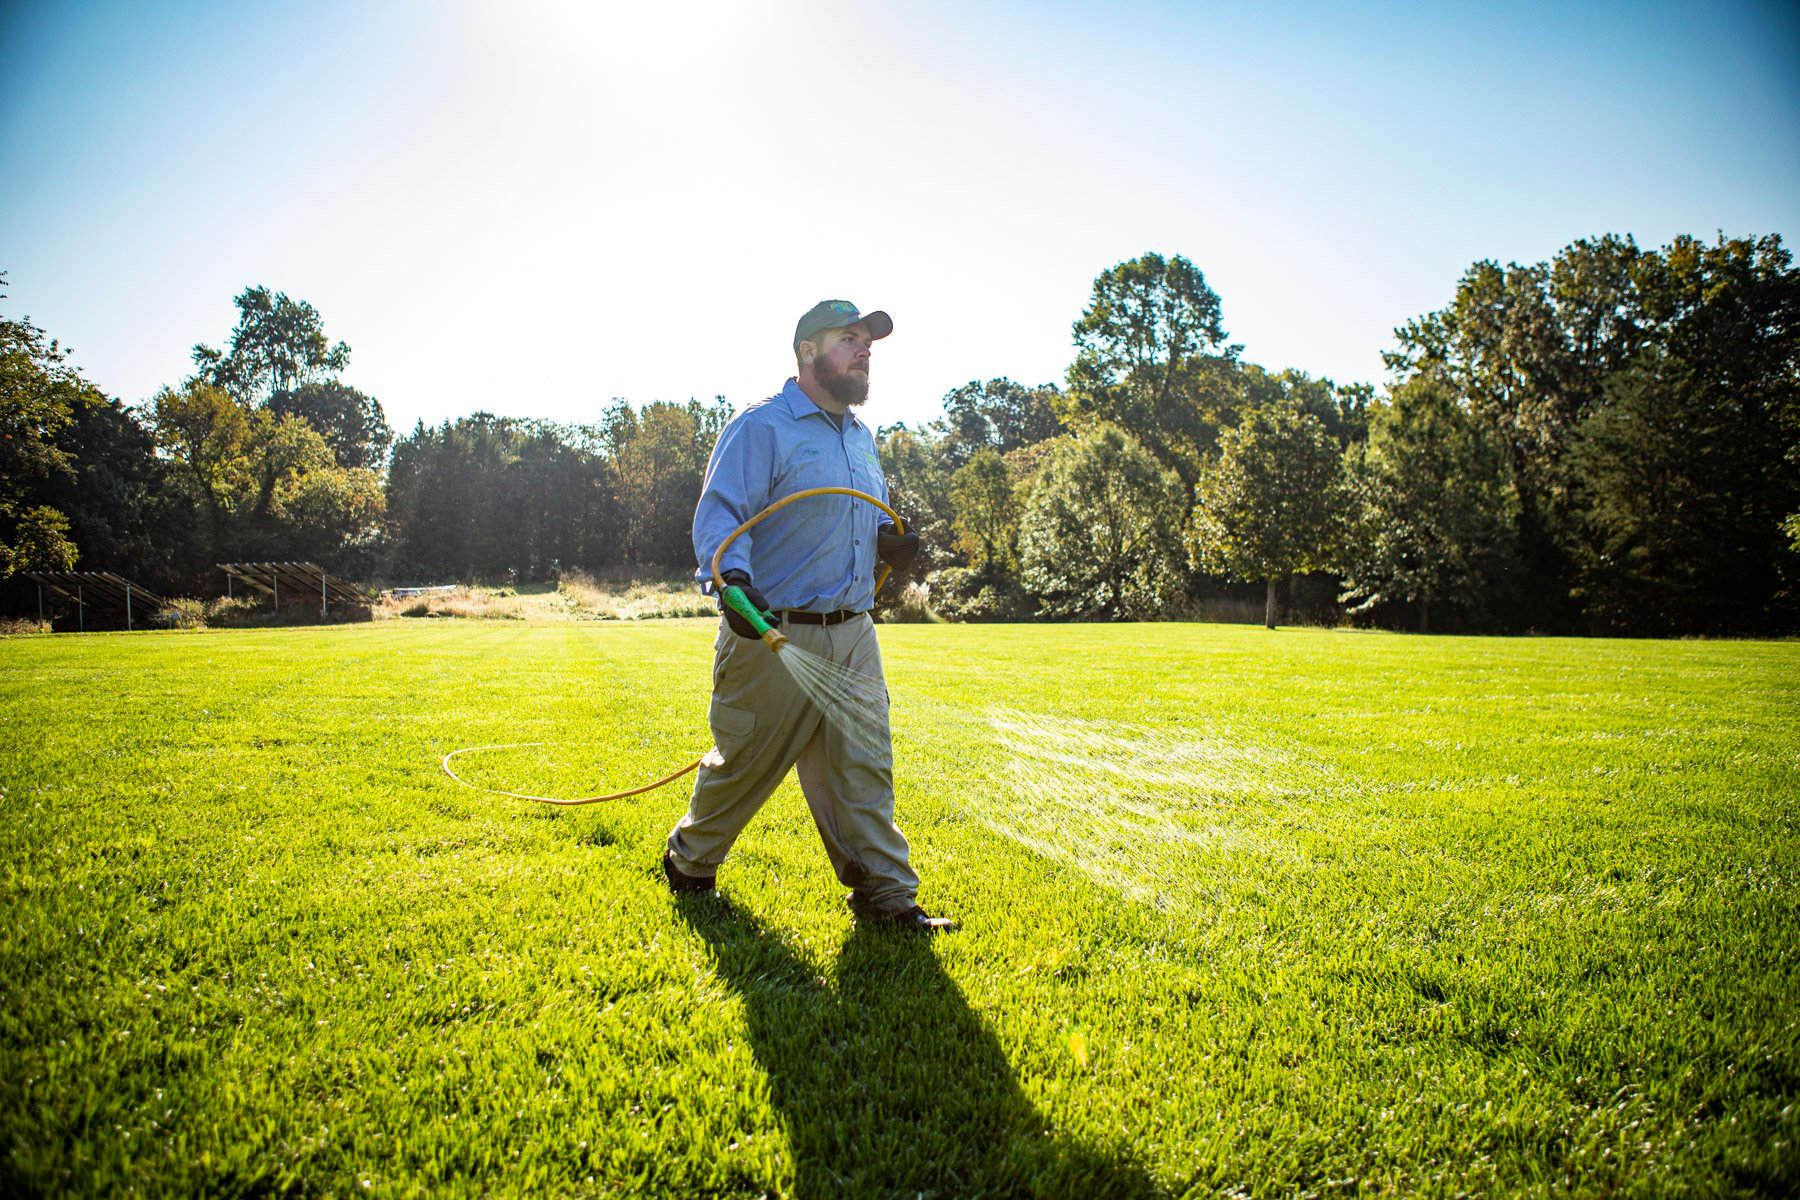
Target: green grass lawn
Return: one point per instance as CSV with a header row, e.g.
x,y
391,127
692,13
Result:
x,y
1246,913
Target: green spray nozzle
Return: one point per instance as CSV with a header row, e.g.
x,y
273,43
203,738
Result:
x,y
759,620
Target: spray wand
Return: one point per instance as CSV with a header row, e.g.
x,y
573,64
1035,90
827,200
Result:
x,y
762,622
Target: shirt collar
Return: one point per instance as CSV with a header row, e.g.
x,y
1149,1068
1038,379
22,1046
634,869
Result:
x,y
800,405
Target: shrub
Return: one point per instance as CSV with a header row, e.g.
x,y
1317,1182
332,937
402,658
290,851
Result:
x,y
913,607
182,612
978,594
235,612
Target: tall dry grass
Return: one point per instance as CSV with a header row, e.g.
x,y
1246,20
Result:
x,y
623,595
618,595
479,603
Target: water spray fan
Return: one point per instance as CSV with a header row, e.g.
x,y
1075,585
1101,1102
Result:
x,y
732,595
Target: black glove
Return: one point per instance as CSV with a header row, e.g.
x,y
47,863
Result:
x,y
894,548
739,625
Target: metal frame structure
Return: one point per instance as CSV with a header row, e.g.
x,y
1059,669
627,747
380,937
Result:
x,y
268,578
102,589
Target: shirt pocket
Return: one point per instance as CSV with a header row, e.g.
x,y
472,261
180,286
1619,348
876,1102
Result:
x,y
810,467
865,472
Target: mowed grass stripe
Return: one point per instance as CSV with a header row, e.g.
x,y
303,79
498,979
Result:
x,y
1489,915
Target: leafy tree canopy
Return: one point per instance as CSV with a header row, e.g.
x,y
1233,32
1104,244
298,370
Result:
x,y
660,454
352,423
1151,359
279,345
1646,405
998,415
987,510
207,433
1102,531
1436,513
1342,410
41,395
1274,502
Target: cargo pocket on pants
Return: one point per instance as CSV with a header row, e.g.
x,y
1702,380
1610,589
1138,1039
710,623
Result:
x,y
731,730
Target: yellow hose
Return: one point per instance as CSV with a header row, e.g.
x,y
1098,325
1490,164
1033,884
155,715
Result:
x,y
720,585
551,799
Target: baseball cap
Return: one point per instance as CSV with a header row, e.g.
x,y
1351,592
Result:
x,y
837,314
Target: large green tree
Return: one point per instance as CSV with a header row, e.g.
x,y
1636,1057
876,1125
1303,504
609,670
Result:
x,y
206,434
987,511
1342,409
125,512
1527,350
1727,315
487,497
248,468
998,415
1611,364
80,484
918,482
278,345
659,455
40,397
351,423
1436,525
1151,359
1102,530
1272,504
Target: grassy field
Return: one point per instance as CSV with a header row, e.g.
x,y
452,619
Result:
x,y
1246,913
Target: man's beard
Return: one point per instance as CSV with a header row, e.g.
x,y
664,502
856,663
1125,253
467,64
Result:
x,y
846,387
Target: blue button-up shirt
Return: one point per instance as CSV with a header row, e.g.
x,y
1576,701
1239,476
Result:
x,y
816,554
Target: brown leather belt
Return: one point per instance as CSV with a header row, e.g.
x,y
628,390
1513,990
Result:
x,y
812,618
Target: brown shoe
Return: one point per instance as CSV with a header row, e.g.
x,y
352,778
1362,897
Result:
x,y
684,885
916,919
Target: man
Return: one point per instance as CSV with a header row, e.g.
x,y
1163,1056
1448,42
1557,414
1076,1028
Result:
x,y
813,564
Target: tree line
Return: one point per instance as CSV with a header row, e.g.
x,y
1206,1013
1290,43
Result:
x,y
263,453
1606,442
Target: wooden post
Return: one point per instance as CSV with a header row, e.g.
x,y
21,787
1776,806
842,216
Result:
x,y
275,576
322,610
81,606
128,608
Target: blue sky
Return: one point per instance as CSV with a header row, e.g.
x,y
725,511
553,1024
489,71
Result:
x,y
533,207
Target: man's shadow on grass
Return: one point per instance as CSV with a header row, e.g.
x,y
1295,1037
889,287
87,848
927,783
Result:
x,y
888,1083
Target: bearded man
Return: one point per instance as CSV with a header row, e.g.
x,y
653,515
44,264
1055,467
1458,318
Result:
x,y
813,565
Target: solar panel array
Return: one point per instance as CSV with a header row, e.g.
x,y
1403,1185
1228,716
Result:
x,y
296,579
99,589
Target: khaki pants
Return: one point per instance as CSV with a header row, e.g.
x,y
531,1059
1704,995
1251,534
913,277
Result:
x,y
763,724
